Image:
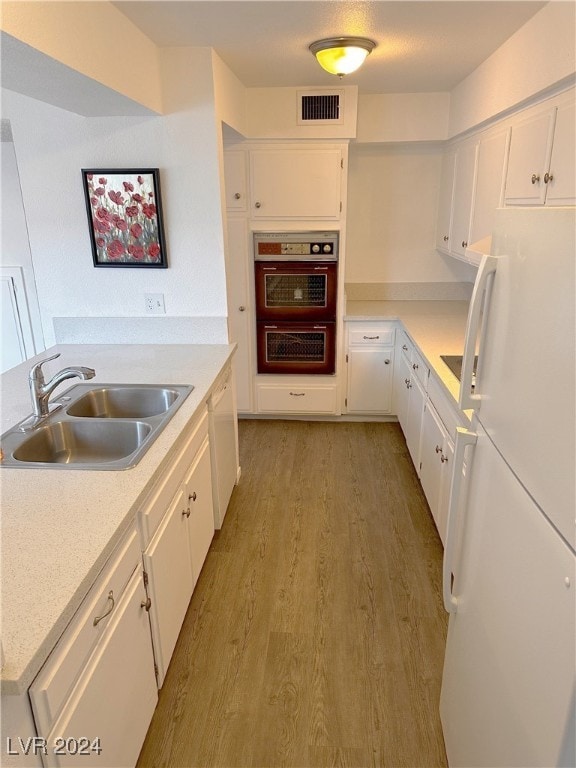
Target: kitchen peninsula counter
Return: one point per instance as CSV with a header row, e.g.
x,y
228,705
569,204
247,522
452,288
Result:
x,y
59,526
436,327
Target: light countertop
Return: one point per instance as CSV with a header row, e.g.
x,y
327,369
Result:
x,y
59,527
436,327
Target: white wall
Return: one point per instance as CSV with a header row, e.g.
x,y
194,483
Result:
x,y
539,55
94,39
392,211
403,117
52,146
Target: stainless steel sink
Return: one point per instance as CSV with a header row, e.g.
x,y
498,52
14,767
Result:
x,y
86,442
124,402
94,426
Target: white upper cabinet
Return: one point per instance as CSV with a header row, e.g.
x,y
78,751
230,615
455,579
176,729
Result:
x,y
561,186
489,185
236,180
444,229
464,182
541,165
296,183
529,159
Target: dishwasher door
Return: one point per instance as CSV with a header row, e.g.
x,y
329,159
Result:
x,y
223,447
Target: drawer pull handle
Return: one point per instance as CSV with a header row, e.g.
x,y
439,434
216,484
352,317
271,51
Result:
x,y
98,619
443,458
192,496
438,449
369,338
415,366
404,347
147,604
186,512
297,394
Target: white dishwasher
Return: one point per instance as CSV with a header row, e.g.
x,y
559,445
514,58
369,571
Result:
x,y
223,446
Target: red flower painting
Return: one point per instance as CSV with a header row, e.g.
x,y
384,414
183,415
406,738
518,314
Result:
x,y
125,217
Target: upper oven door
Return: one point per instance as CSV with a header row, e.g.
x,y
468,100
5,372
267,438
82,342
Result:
x,y
295,290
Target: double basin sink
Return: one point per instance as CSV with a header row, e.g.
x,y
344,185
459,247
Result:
x,y
104,426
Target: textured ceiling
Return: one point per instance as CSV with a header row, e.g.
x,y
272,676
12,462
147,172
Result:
x,y
422,46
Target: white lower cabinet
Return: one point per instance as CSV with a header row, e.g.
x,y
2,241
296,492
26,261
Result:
x,y
436,451
168,566
94,697
199,509
410,395
370,360
174,555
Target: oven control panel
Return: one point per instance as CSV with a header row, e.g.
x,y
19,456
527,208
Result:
x,y
306,246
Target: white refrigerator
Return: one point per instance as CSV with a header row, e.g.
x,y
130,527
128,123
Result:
x,y
508,689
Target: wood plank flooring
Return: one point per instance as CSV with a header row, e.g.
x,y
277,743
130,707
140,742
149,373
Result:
x,y
316,632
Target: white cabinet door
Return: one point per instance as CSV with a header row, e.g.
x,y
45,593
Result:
x,y
295,183
489,184
170,582
444,228
200,508
370,379
115,697
235,180
447,468
431,453
561,187
415,410
401,388
466,159
529,159
241,319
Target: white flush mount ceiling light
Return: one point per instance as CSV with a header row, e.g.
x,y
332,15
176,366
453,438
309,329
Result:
x,y
342,55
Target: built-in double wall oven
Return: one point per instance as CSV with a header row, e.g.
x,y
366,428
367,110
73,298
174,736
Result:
x,y
296,281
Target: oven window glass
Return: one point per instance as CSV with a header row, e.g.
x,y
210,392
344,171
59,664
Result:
x,y
303,347
296,290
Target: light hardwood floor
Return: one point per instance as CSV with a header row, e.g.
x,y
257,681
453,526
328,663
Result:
x,y
315,635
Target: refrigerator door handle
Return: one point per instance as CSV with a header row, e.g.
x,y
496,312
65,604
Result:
x,y
479,300
464,438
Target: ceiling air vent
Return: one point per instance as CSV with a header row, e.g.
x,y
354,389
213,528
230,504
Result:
x,y
324,107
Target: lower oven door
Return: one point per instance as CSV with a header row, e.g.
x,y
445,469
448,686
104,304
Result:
x,y
296,347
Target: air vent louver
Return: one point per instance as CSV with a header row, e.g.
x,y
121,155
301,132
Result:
x,y
321,107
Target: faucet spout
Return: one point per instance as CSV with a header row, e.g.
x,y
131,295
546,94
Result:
x,y
40,390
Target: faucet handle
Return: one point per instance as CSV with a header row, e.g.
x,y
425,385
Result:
x,y
36,372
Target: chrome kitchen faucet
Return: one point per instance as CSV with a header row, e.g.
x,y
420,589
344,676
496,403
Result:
x,y
40,390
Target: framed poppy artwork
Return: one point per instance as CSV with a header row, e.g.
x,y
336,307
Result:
x,y
125,217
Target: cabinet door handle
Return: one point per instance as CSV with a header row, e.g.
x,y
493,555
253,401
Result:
x,y
387,362
242,308
415,366
445,238
438,449
535,178
192,496
237,196
404,347
146,604
443,458
464,244
257,205
186,512
98,619
548,177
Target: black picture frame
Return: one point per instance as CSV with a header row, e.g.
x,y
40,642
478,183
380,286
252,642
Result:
x,y
125,221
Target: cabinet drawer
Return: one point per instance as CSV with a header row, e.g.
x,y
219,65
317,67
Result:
x,y
55,680
366,336
155,506
295,399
